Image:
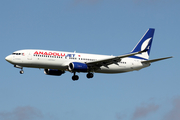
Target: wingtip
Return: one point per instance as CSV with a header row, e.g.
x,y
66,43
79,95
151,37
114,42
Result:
x,y
170,57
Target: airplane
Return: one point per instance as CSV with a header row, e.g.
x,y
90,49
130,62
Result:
x,y
58,62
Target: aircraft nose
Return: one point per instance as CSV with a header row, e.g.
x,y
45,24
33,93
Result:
x,y
8,58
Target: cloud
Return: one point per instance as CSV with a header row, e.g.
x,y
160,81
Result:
x,y
144,110
174,114
120,116
22,113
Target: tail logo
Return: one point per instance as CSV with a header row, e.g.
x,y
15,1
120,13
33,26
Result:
x,y
145,44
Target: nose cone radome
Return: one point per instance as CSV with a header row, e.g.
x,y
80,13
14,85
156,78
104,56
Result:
x,y
8,58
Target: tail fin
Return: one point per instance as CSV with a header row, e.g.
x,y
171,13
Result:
x,y
144,43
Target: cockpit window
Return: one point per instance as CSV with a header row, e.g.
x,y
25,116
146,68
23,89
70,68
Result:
x,y
17,53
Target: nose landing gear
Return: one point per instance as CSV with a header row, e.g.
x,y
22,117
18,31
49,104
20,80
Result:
x,y
17,66
21,72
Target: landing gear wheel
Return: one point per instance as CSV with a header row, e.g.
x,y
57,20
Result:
x,y
89,75
21,72
75,77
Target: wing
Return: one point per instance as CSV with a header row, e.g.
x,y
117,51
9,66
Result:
x,y
114,60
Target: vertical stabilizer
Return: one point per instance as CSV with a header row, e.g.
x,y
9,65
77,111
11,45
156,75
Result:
x,y
144,43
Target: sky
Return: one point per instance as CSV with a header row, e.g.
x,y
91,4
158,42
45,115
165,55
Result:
x,y
108,27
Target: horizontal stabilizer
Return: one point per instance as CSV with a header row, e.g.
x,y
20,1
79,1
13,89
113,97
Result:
x,y
155,60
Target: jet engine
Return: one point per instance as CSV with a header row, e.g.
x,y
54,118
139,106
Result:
x,y
78,67
53,72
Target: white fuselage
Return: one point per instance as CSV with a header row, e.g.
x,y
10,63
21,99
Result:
x,y
57,62
48,59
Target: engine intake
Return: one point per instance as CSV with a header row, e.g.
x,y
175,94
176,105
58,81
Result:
x,y
53,72
78,67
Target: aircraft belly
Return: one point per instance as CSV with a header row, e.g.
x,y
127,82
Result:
x,y
120,68
51,64
113,69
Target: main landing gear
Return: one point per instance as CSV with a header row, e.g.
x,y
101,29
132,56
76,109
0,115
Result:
x,y
76,77
90,75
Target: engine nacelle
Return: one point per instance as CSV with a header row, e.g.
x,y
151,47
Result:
x,y
78,67
53,72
